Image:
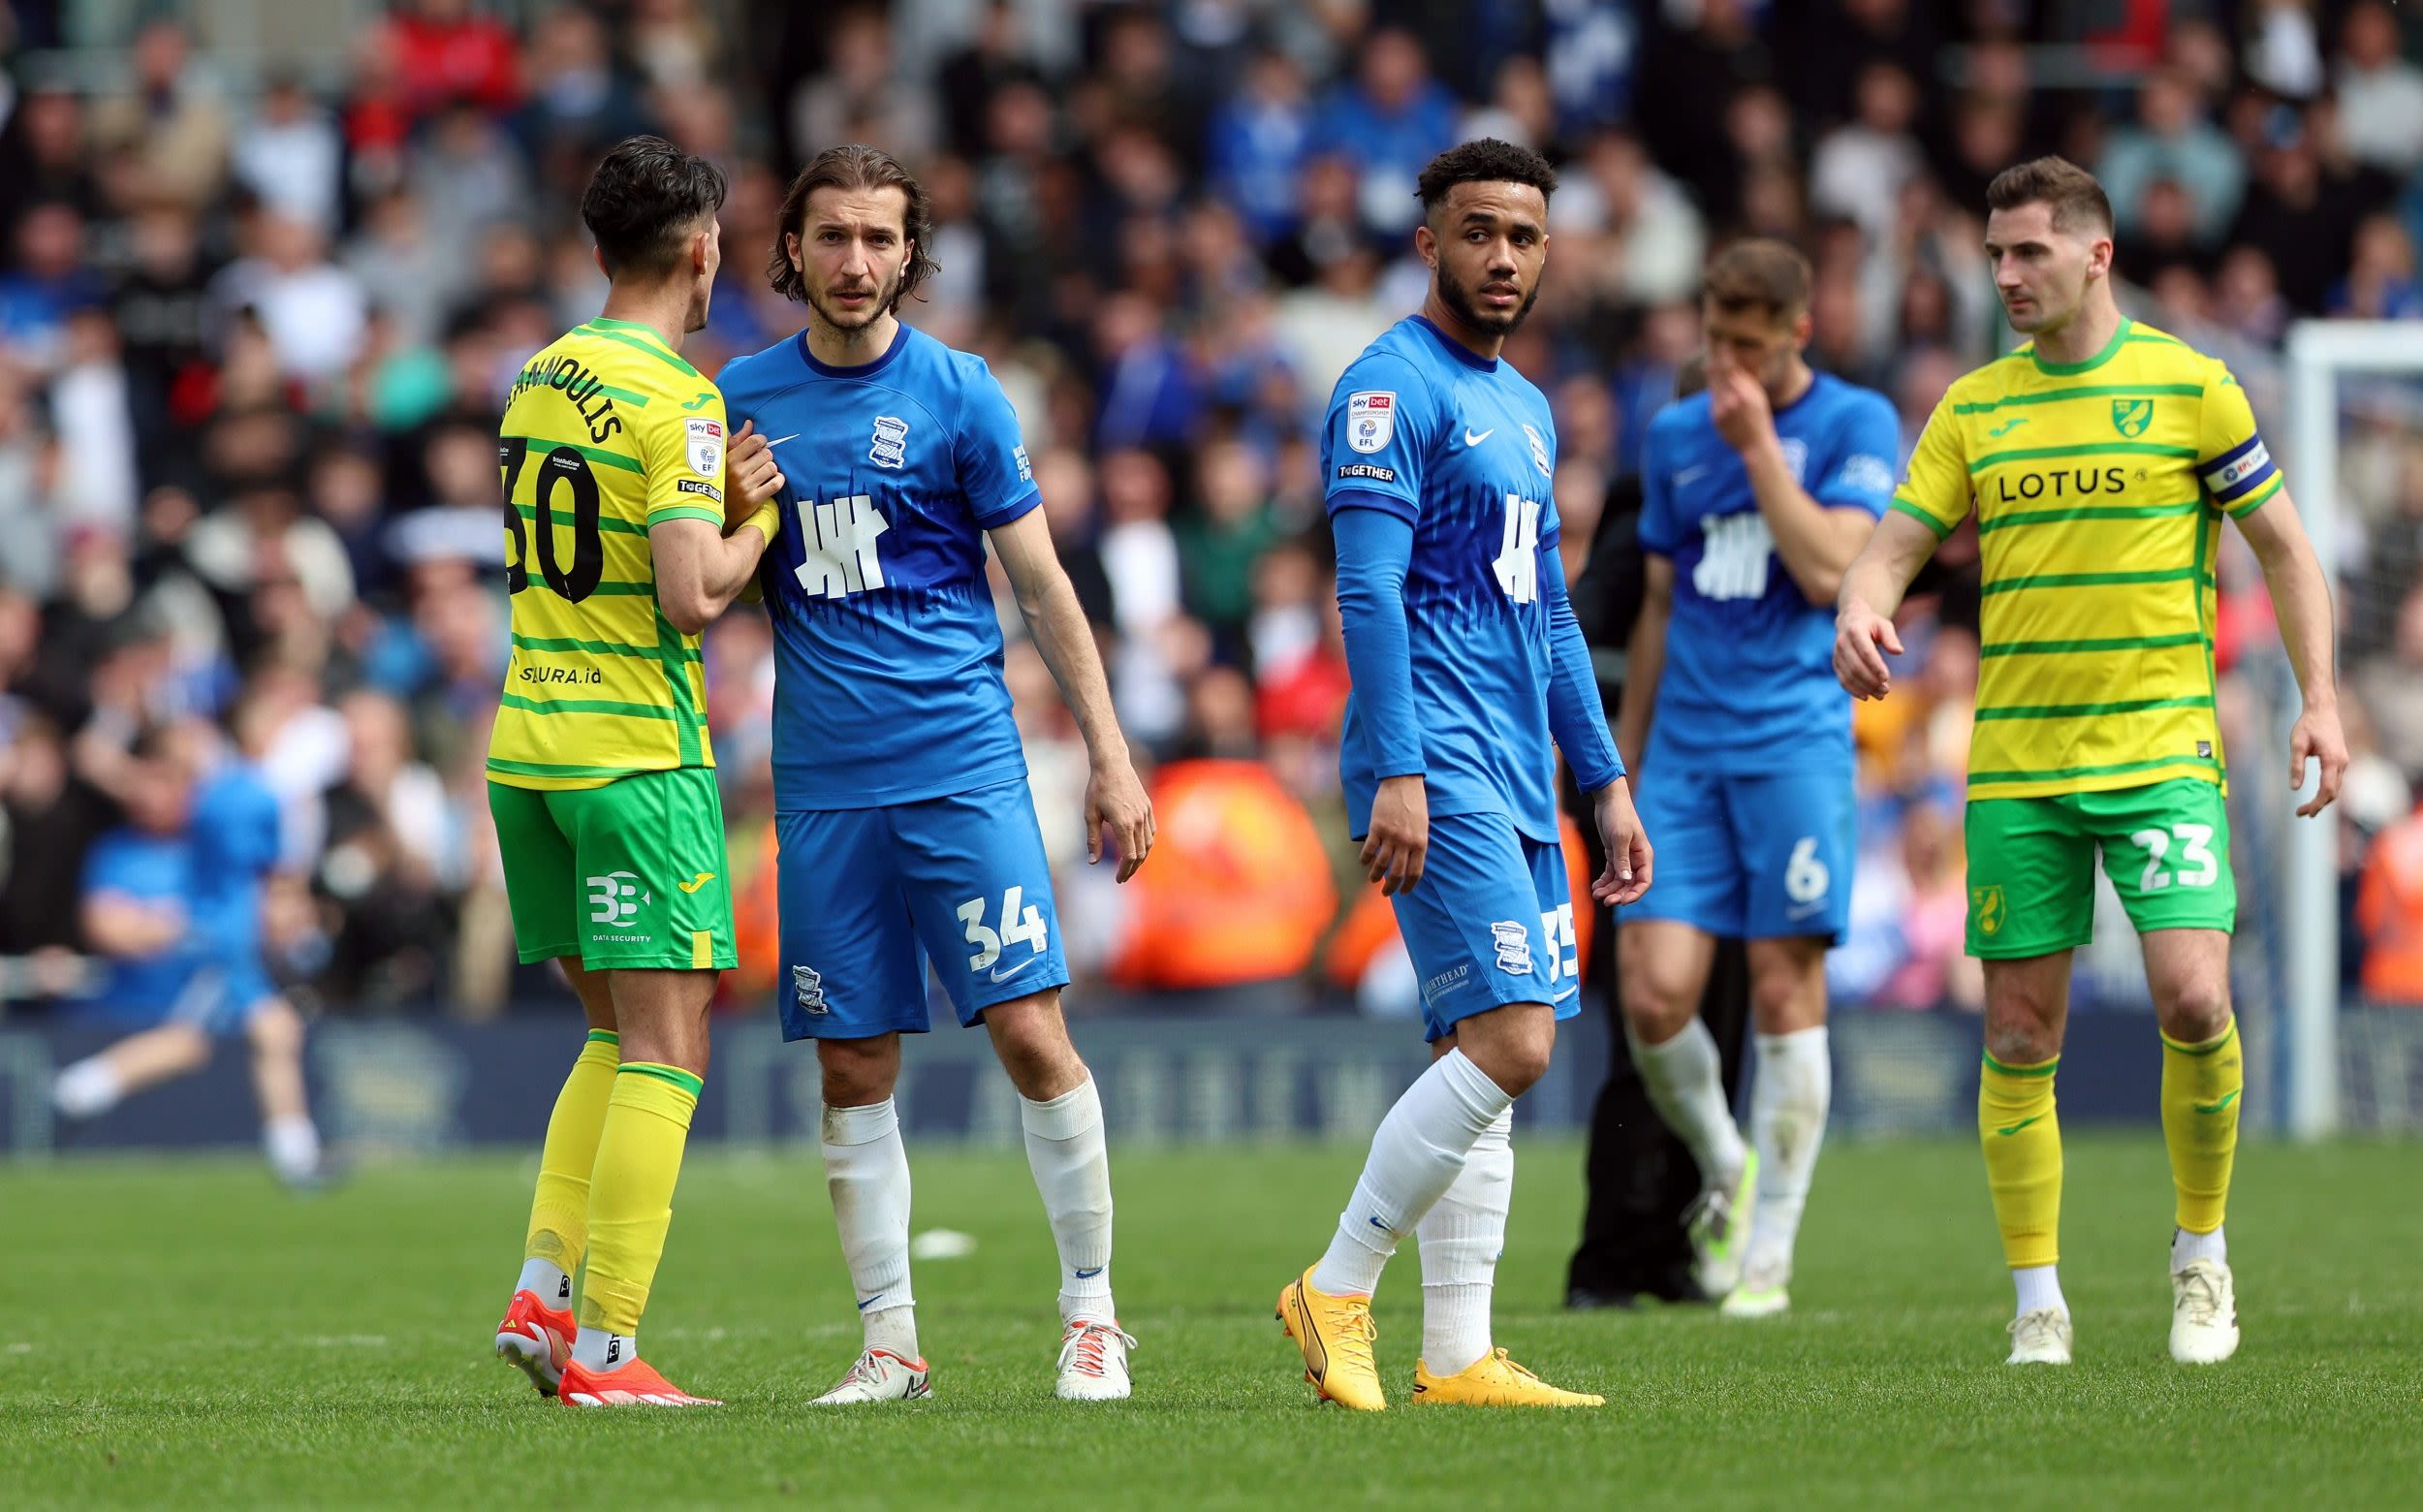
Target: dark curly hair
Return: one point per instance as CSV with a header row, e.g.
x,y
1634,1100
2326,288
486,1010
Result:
x,y
645,201
855,166
1487,160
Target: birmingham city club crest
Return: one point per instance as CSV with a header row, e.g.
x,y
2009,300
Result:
x,y
807,988
890,444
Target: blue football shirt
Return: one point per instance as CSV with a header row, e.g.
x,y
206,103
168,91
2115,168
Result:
x,y
1748,684
1464,449
151,869
886,652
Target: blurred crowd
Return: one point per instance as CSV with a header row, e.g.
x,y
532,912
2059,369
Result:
x,y
258,317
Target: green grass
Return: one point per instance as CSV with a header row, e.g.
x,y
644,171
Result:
x,y
179,1333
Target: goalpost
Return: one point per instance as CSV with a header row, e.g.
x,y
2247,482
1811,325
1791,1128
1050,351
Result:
x,y
2320,353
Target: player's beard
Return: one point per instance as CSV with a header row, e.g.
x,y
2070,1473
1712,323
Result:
x,y
1467,307
886,295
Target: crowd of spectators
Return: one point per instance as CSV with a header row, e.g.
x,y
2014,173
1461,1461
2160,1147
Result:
x,y
258,316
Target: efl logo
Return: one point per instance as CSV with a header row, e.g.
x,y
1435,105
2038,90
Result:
x,y
1370,418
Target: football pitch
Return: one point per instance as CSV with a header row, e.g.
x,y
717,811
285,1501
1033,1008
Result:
x,y
179,1333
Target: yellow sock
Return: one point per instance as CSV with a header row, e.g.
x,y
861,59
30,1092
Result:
x,y
639,1160
2200,1087
2023,1138
559,1213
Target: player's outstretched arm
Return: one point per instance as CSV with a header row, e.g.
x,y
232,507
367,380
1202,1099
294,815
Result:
x,y
1115,802
1872,592
2301,600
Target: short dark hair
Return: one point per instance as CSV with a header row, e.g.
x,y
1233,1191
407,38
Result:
x,y
1758,273
855,166
1486,160
643,202
2075,196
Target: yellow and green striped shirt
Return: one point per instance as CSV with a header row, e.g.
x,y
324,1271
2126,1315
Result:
x,y
608,432
2099,488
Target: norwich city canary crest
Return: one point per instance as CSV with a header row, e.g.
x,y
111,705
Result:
x,y
2131,416
1984,905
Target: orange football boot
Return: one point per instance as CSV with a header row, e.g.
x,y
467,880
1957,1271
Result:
x,y
537,1339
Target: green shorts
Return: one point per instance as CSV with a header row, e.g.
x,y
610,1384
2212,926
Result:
x,y
2031,864
629,875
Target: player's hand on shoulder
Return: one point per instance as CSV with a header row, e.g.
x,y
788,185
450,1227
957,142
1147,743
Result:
x,y
1118,810
1738,408
1398,840
1861,638
751,476
2319,734
1630,860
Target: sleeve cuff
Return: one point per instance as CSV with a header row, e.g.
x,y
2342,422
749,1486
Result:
x,y
2258,498
1902,506
1369,498
657,517
1016,509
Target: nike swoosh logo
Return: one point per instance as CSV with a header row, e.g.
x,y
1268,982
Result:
x,y
1469,439
999,975
1802,910
1567,992
2008,426
1690,475
700,402
2227,1099
702,880
778,440
2016,1127
1086,1275
870,1302
1382,1227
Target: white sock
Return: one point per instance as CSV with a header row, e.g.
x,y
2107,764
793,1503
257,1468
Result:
x,y
1685,1078
2039,1287
1065,1150
867,1172
1461,1237
548,1280
89,1088
892,1329
292,1145
1416,1154
1788,1102
2188,1248
595,1349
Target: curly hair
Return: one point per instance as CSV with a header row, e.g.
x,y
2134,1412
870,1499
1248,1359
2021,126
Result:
x,y
1487,160
643,202
855,166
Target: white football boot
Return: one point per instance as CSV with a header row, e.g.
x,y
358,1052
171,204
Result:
x,y
2204,1314
1093,1362
2041,1338
879,1375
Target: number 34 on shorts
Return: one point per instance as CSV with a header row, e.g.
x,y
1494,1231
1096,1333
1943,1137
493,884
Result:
x,y
2031,864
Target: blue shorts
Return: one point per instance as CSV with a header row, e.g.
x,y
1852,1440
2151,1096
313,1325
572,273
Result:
x,y
869,896
1489,924
218,1000
1749,857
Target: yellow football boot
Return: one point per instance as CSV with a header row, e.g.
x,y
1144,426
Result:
x,y
1494,1382
1335,1335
